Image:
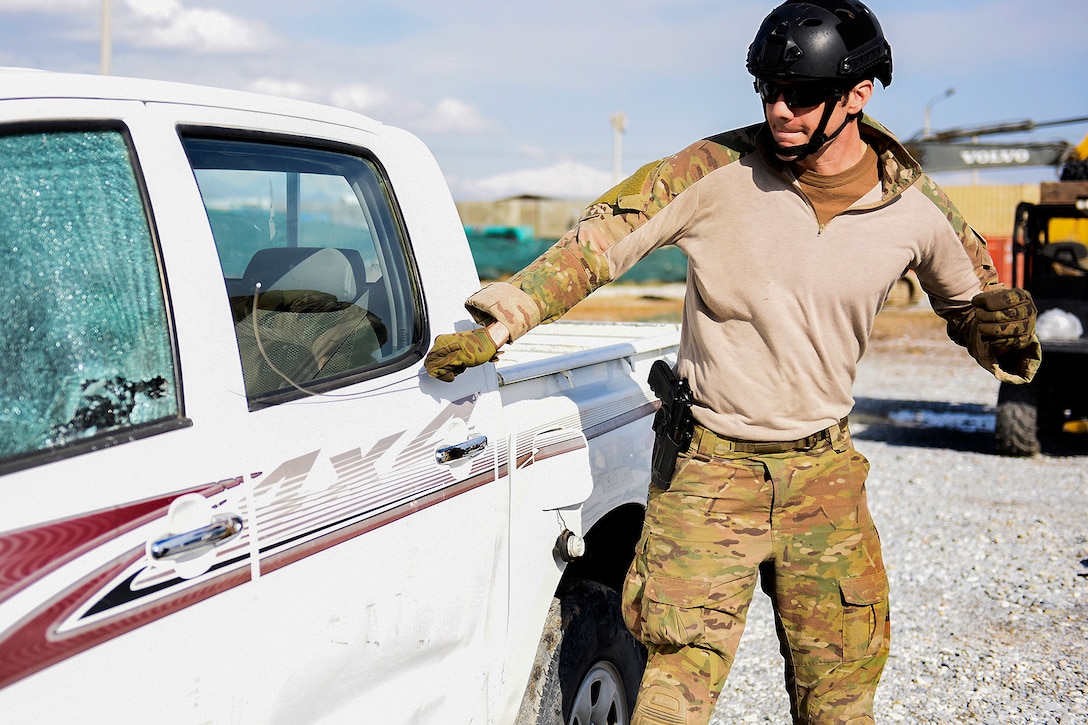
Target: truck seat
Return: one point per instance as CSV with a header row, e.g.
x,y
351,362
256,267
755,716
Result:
x,y
307,319
1069,258
322,269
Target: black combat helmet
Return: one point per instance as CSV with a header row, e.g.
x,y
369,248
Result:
x,y
838,41
822,48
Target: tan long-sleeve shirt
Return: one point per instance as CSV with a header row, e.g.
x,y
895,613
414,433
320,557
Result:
x,y
779,307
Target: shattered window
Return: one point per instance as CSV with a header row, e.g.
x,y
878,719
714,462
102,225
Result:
x,y
83,327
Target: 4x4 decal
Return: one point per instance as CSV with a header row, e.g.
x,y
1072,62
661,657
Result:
x,y
298,516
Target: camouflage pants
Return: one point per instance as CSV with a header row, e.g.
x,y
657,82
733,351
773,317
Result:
x,y
797,521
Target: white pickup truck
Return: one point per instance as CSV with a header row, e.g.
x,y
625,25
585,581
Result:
x,y
231,492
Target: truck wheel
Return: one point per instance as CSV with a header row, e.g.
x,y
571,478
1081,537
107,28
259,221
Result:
x,y
601,698
1016,428
588,665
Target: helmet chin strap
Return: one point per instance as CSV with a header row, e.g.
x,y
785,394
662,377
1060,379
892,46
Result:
x,y
819,137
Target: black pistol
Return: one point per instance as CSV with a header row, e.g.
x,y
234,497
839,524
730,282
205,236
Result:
x,y
673,424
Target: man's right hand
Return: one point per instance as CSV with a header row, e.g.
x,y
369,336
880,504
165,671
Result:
x,y
454,352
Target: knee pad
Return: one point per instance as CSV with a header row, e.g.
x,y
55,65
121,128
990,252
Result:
x,y
661,704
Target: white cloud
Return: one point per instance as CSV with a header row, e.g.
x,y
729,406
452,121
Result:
x,y
565,180
155,9
158,24
448,115
368,99
455,115
278,87
170,25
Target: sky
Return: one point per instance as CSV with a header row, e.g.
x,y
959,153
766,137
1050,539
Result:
x,y
519,97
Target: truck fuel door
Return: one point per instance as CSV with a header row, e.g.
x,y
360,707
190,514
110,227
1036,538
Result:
x,y
556,473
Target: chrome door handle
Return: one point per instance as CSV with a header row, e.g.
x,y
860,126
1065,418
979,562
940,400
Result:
x,y
220,530
458,451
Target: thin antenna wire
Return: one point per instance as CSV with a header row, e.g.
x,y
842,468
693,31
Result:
x,y
264,355
292,383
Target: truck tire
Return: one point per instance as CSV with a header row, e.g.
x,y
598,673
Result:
x,y
1016,427
588,665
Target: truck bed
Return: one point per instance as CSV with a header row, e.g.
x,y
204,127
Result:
x,y
565,345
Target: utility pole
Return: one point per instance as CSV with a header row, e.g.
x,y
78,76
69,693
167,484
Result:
x,y
619,125
105,49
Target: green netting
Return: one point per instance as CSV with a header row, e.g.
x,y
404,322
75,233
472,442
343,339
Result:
x,y
498,256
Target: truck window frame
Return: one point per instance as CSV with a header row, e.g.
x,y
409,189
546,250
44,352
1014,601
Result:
x,y
397,288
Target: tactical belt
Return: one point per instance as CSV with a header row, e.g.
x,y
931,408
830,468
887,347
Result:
x,y
707,444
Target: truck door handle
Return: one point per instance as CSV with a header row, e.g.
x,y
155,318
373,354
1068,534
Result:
x,y
221,529
458,451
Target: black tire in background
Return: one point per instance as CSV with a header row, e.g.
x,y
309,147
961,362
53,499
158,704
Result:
x,y
1016,426
588,665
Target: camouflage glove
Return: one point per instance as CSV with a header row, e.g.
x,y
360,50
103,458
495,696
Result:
x,y
452,353
1004,319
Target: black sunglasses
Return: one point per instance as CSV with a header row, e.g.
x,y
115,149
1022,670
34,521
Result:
x,y
797,95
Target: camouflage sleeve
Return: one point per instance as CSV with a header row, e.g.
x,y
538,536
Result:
x,y
577,264
1015,367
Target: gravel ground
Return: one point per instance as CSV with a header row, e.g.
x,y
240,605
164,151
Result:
x,y
987,556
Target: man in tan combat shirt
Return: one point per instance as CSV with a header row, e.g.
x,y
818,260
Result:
x,y
795,229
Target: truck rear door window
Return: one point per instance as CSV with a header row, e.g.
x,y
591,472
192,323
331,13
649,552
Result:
x,y
315,264
84,334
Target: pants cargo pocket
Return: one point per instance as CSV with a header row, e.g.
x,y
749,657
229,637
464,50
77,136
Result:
x,y
634,590
672,611
703,613
865,615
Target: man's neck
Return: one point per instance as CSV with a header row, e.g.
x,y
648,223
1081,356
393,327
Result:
x,y
840,155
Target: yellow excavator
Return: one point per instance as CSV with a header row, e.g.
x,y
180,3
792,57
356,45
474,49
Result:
x,y
1074,168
